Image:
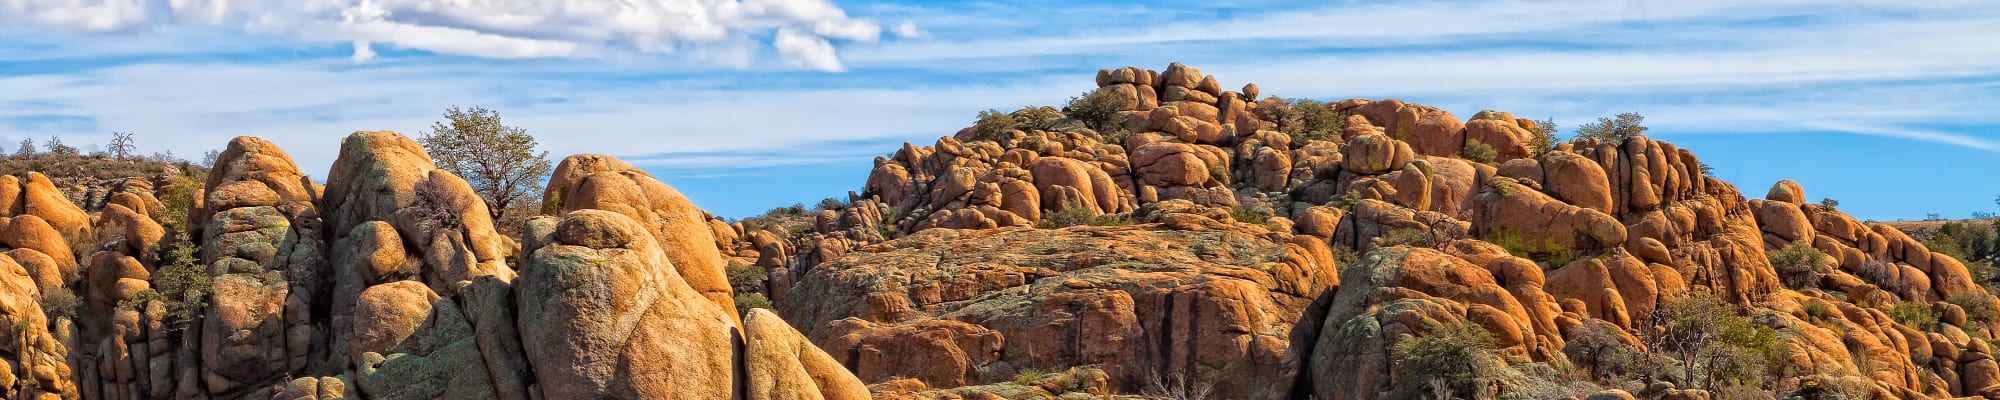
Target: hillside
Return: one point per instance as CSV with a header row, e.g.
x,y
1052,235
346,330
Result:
x,y
1157,237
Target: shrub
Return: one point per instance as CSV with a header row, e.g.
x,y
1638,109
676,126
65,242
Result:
x,y
1614,130
1412,237
1067,217
831,204
1037,118
993,125
1716,346
1111,220
1978,306
1098,110
750,301
1799,265
1543,139
1829,203
59,303
1029,377
181,283
1819,310
1454,354
1597,348
1912,314
1311,120
1478,152
745,277
1177,388
1244,215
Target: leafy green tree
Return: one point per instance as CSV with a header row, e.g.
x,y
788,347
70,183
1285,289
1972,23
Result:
x,y
499,161
1543,139
1615,129
1717,346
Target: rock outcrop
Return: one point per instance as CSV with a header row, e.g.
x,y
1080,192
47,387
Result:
x,y
1195,240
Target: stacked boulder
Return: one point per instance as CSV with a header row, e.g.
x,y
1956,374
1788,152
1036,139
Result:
x,y
1532,245
390,282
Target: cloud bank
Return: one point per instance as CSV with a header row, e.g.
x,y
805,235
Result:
x,y
725,31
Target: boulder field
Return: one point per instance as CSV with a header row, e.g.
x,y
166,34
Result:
x,y
1195,242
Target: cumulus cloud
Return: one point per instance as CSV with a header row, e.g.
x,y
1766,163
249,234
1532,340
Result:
x,y
909,30
802,30
806,51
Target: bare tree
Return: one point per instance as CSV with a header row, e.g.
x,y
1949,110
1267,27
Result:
x,y
121,145
27,148
208,159
56,146
499,161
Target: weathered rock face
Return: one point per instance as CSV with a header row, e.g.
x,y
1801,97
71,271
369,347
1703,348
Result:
x,y
955,308
604,183
36,359
604,314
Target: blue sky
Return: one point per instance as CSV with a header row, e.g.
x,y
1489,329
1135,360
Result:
x,y
1892,107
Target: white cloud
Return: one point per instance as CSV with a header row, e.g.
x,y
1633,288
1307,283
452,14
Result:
x,y
490,28
806,51
363,52
77,15
909,30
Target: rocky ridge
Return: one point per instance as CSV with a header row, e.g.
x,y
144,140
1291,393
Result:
x,y
387,282
1225,240
1199,241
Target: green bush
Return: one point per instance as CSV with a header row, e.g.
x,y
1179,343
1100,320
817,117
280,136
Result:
x,y
1067,217
745,277
59,303
1829,203
1478,152
1799,265
1614,130
1111,220
831,204
1244,215
1454,353
1914,315
182,283
1098,110
1308,120
1037,118
1978,306
750,301
1818,310
993,125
